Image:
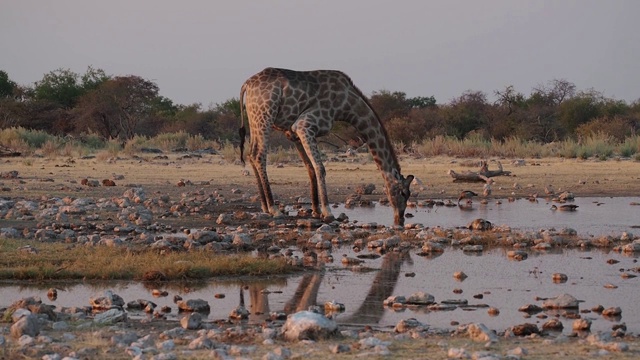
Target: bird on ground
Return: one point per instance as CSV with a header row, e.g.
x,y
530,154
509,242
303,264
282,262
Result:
x,y
466,194
567,207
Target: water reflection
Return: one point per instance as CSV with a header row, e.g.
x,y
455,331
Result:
x,y
503,283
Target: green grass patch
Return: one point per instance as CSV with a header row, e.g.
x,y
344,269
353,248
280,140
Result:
x,y
59,261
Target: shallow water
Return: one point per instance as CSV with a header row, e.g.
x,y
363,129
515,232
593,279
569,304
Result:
x,y
505,284
595,216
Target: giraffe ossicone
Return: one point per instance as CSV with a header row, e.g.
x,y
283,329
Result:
x,y
305,105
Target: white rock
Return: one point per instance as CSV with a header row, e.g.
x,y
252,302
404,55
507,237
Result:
x,y
308,325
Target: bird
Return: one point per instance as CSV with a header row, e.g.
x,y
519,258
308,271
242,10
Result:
x,y
466,194
567,207
486,190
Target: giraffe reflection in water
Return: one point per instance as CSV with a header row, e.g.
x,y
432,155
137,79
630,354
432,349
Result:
x,y
370,310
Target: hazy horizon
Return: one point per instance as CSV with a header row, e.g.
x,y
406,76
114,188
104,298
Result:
x,y
202,51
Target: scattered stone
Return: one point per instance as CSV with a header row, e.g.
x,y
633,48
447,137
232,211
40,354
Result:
x,y
559,278
480,333
26,325
307,325
480,224
612,311
194,305
111,316
191,321
409,324
525,329
492,311
459,275
553,325
564,301
530,308
517,255
420,298
108,301
581,325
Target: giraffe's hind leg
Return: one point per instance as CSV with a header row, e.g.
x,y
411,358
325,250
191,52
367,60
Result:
x,y
258,159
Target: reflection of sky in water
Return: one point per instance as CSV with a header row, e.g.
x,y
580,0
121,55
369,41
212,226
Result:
x,y
505,284
611,217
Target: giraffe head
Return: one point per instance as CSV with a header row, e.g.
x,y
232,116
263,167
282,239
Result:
x,y
398,193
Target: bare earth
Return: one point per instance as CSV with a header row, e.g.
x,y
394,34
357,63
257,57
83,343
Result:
x,y
62,176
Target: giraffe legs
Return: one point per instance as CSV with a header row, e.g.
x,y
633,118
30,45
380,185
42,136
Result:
x,y
308,146
313,181
258,160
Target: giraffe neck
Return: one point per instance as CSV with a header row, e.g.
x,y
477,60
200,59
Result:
x,y
375,136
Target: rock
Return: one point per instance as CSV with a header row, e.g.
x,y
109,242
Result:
x,y
582,325
459,275
480,224
191,321
405,325
612,311
26,325
393,300
340,348
194,305
432,246
365,189
530,308
631,247
559,278
553,325
458,353
525,329
480,333
564,301
333,306
108,301
308,325
111,316
473,248
239,313
420,298
517,255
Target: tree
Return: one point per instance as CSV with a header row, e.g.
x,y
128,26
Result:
x,y
64,87
60,87
118,106
390,105
421,102
467,113
7,86
555,92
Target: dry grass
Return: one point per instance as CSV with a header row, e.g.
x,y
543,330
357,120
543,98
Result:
x,y
62,261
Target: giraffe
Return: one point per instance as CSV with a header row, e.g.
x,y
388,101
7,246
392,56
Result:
x,y
305,105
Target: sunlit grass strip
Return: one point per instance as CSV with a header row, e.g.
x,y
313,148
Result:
x,y
57,261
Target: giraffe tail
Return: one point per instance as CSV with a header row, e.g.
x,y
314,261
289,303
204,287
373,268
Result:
x,y
242,131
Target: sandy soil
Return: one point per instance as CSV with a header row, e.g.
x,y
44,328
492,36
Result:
x,y
62,176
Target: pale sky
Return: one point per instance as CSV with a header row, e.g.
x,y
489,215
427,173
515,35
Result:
x,y
202,51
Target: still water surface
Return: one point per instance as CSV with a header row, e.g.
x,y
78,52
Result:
x,y
503,283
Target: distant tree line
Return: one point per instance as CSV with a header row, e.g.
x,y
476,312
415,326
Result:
x,y
120,107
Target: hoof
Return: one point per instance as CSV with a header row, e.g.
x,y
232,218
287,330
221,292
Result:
x,y
328,218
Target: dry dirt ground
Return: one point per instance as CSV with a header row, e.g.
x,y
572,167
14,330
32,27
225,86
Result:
x,y
38,176
62,176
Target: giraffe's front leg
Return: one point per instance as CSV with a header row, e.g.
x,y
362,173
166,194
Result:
x,y
309,144
313,180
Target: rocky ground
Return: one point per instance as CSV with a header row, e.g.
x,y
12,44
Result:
x,y
128,201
